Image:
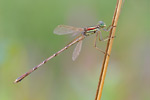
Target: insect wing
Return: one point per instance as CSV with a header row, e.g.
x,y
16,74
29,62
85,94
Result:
x,y
77,50
64,29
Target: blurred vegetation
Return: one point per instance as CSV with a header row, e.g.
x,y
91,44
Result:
x,y
26,38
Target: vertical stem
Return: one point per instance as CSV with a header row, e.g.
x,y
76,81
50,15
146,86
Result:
x,y
108,50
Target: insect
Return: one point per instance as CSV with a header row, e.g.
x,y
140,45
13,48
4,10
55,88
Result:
x,y
84,32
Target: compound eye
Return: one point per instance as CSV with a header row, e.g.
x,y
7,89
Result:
x,y
102,24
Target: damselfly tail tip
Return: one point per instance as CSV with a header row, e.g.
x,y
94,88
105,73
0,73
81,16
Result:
x,y
18,80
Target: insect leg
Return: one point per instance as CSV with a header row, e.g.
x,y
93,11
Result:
x,y
98,32
108,28
107,38
100,36
103,39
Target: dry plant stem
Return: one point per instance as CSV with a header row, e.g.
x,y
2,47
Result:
x,y
108,50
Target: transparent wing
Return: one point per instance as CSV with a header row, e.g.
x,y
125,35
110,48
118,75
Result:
x,y
77,50
64,29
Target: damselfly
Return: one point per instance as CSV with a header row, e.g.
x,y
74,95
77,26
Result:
x,y
84,32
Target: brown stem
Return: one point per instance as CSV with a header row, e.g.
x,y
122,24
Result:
x,y
108,50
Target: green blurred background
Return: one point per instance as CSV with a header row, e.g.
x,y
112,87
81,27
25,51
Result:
x,y
26,39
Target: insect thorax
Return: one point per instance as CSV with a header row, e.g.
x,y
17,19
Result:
x,y
90,31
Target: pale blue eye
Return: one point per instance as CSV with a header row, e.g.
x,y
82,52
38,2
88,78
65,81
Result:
x,y
101,24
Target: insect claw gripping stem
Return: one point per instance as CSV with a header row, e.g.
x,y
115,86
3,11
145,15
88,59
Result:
x,y
105,39
108,28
